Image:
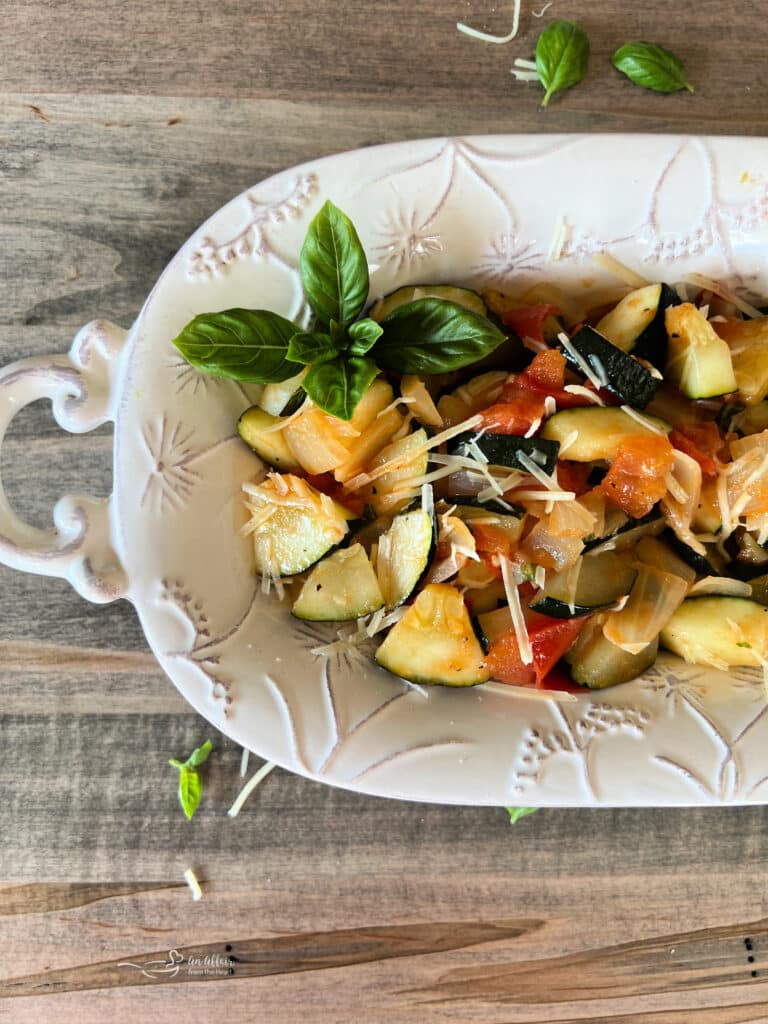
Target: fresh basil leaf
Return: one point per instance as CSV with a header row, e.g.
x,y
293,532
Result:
x,y
434,336
338,385
244,344
562,55
334,270
190,790
651,66
199,756
364,334
516,813
312,347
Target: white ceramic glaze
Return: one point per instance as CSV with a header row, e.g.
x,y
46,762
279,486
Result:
x,y
472,211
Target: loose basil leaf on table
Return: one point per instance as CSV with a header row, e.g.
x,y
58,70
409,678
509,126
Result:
x,y
363,336
190,783
651,66
338,385
334,269
562,56
434,336
245,344
312,347
516,813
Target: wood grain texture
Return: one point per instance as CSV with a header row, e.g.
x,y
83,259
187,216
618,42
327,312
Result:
x,y
122,126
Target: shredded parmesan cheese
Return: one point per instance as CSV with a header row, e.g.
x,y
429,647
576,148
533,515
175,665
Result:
x,y
543,11
540,577
579,389
569,440
702,281
550,405
559,239
244,762
526,65
531,693
516,611
486,37
536,471
643,421
722,585
249,787
525,76
533,427
582,363
191,879
608,262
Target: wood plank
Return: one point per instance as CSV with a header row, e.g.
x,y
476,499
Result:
x,y
298,54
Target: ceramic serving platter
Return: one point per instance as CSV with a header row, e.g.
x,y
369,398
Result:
x,y
471,211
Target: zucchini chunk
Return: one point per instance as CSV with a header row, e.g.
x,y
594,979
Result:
x,y
292,524
718,631
434,642
653,343
602,580
404,554
397,487
410,293
599,430
341,587
748,341
269,445
597,663
699,361
621,374
503,450
624,324
420,403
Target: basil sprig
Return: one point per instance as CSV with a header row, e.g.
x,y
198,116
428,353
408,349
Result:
x,y
562,56
190,784
516,813
343,350
651,66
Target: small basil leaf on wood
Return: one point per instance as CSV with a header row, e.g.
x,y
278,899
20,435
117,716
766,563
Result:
x,y
244,344
312,347
516,813
199,755
338,385
651,66
434,336
334,270
562,56
363,336
190,791
190,784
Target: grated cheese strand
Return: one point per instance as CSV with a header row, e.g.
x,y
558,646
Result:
x,y
702,281
516,611
579,389
486,37
582,363
525,76
629,276
527,65
244,762
558,239
643,420
536,471
191,879
531,693
249,787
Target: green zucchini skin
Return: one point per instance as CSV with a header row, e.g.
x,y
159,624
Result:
x,y
505,449
632,531
600,431
625,376
269,445
653,343
404,555
701,565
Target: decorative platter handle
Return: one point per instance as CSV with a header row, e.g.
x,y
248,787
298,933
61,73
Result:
x,y
82,387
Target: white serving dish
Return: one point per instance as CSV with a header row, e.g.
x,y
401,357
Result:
x,y
467,211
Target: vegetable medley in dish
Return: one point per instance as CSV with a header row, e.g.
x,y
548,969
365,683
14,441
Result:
x,y
503,488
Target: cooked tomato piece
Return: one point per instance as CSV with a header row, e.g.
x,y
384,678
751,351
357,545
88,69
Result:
x,y
515,416
636,479
702,441
326,483
573,476
490,539
550,639
546,370
527,322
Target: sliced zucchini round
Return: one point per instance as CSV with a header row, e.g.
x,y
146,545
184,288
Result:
x,y
461,296
396,488
624,376
624,324
718,631
504,450
434,642
599,431
292,524
341,587
269,444
404,554
602,581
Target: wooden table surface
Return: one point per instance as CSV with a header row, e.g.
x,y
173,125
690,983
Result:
x,y
122,126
